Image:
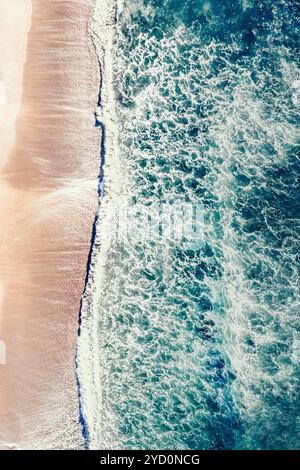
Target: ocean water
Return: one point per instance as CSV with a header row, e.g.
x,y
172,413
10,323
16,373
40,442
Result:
x,y
197,345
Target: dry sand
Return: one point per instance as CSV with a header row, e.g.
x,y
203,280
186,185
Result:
x,y
48,197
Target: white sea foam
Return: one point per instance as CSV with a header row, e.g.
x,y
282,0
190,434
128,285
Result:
x,y
89,372
249,326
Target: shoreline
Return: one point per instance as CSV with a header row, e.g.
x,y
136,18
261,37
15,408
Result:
x,y
51,182
87,358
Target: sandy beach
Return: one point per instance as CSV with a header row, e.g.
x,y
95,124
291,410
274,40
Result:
x,y
49,164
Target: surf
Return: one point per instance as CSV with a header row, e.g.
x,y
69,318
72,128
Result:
x,y
196,348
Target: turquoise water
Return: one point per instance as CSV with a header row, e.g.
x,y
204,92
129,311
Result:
x,y
199,345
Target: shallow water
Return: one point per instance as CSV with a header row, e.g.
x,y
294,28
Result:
x,y
199,343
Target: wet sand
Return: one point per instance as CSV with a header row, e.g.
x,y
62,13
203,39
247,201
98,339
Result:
x,y
48,198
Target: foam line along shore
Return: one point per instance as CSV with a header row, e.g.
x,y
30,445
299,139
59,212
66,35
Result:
x,y
109,191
